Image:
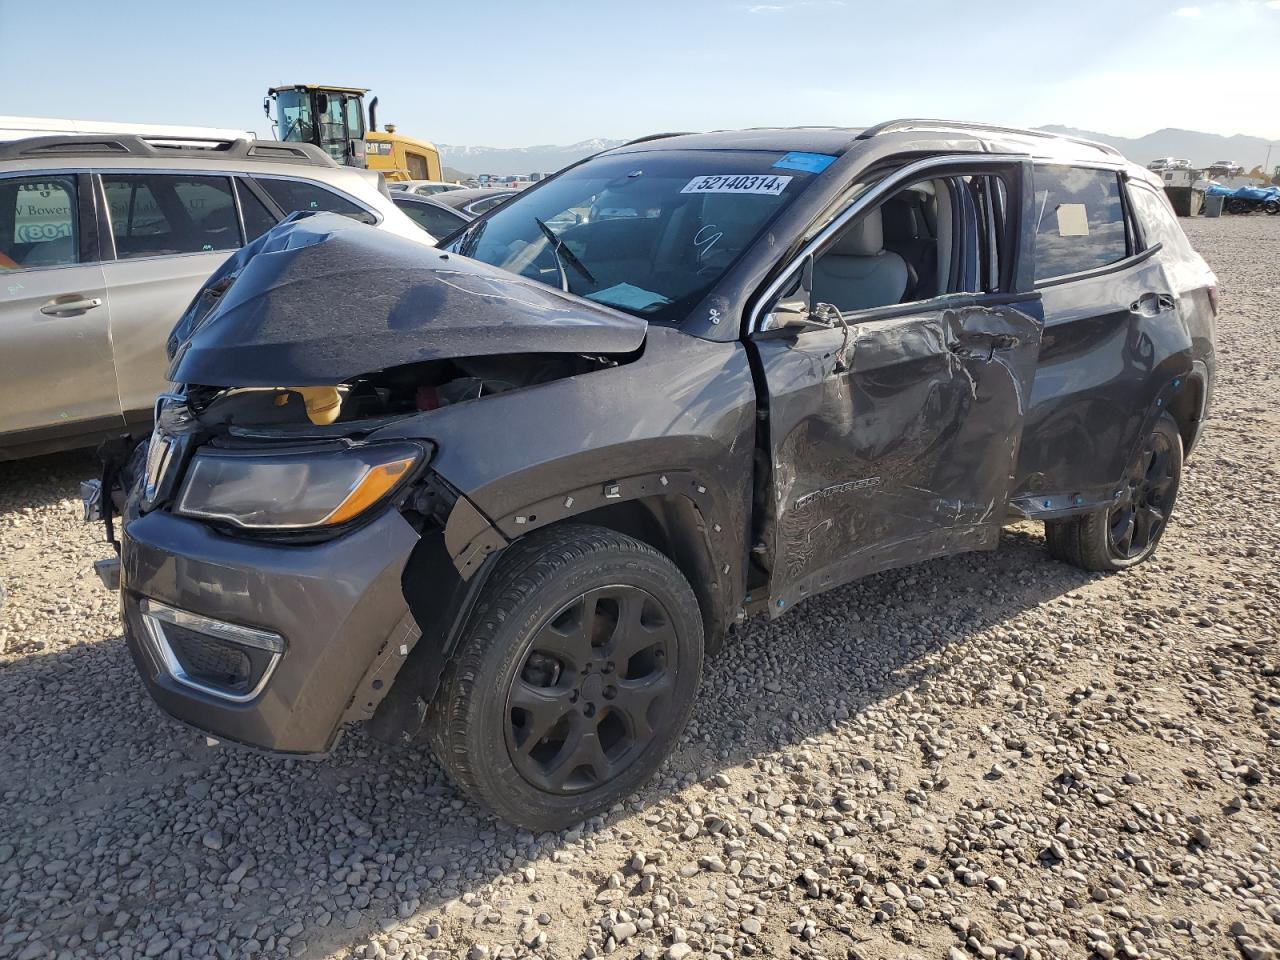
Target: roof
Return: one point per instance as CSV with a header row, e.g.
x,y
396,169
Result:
x,y
19,128
168,148
905,133
832,140
317,86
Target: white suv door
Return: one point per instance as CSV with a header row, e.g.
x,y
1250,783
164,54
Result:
x,y
56,373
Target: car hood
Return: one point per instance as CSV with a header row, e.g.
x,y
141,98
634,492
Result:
x,y
321,298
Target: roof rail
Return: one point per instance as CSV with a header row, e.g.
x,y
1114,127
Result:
x,y
891,126
196,148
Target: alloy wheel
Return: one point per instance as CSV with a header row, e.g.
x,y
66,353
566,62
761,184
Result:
x,y
1141,510
591,692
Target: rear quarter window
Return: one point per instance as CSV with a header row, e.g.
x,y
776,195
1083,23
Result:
x,y
1158,223
294,195
1079,220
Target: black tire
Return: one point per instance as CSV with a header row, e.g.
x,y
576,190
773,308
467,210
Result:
x,y
1272,207
1127,532
1237,206
587,639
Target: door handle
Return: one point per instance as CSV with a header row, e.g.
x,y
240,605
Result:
x,y
58,307
1150,304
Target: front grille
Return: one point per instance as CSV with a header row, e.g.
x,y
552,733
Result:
x,y
210,660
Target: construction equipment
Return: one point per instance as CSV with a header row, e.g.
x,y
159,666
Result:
x,y
333,119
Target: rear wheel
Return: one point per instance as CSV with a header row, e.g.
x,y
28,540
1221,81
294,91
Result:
x,y
1237,206
1128,531
574,678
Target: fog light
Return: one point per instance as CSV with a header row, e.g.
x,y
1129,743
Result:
x,y
221,659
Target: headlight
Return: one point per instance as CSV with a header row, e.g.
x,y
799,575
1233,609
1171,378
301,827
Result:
x,y
293,490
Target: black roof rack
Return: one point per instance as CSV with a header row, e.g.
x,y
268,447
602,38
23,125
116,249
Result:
x,y
158,146
891,126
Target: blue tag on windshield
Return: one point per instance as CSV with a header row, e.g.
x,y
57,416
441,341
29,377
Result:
x,y
808,162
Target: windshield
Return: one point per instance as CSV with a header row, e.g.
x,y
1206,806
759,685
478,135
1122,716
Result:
x,y
650,233
293,114
339,119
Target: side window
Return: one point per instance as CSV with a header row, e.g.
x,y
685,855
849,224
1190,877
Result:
x,y
294,195
156,215
439,223
488,203
1157,221
1079,220
931,238
38,223
257,218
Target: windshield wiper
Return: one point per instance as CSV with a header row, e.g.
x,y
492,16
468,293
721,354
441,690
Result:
x,y
560,248
471,238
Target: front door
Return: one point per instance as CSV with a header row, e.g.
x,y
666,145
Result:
x,y
894,430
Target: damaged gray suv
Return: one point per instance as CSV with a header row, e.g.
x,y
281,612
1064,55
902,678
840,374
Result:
x,y
508,494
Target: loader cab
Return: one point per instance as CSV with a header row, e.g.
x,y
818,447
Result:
x,y
330,117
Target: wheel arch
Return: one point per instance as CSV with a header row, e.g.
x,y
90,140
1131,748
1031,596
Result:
x,y
449,567
1188,405
674,526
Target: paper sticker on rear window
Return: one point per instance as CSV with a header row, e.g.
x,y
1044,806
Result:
x,y
1073,220
738,183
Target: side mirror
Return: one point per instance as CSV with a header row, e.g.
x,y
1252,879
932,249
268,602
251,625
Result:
x,y
795,309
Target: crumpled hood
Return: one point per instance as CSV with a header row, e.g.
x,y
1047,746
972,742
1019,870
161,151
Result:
x,y
321,298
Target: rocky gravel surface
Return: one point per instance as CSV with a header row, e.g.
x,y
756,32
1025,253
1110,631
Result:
x,y
988,756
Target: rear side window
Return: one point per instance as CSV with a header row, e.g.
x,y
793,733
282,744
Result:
x,y
1079,220
37,222
437,222
294,195
1157,222
257,218
155,215
480,206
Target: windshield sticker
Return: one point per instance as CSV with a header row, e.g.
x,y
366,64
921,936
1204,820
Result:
x,y
808,162
1073,220
765,184
629,297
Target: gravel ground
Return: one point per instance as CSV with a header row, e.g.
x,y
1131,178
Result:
x,y
991,755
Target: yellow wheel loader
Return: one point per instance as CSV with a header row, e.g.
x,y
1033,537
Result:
x,y
333,118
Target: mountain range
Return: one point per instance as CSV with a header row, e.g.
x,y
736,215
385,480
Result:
x,y
1201,149
510,161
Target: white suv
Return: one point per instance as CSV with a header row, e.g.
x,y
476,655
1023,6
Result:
x,y
103,242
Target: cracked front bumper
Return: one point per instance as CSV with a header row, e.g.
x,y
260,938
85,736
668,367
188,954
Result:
x,y
337,607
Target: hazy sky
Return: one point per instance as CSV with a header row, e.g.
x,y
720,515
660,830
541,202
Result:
x,y
520,73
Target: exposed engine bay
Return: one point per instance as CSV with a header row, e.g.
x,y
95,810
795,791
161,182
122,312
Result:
x,y
398,391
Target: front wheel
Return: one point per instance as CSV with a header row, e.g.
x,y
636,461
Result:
x,y
573,680
1126,532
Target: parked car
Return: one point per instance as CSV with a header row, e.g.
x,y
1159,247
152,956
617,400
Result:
x,y
104,239
423,188
435,218
474,201
509,494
